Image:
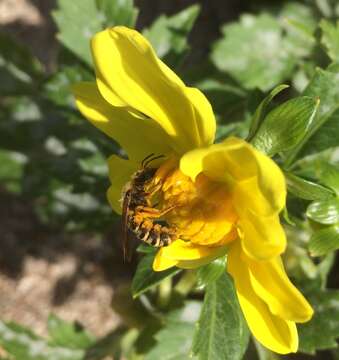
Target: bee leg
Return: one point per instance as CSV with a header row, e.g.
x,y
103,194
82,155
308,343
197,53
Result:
x,y
153,213
164,170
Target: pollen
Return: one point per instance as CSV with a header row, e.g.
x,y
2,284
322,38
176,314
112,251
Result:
x,y
202,211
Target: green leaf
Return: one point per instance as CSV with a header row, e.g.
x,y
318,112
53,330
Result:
x,y
330,38
305,189
20,72
58,87
77,22
118,12
322,331
144,248
211,272
324,212
174,340
324,241
22,344
168,35
325,7
68,335
254,52
145,277
261,110
221,332
323,85
300,23
286,125
16,53
329,175
11,169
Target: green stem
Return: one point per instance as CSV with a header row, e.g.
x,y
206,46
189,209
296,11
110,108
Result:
x,y
165,291
263,353
186,283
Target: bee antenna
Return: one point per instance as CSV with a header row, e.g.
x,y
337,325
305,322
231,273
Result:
x,y
145,159
145,164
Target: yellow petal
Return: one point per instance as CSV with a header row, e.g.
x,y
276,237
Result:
x,y
274,332
230,161
130,74
204,115
271,283
258,191
262,237
120,172
162,263
139,137
186,255
257,179
271,181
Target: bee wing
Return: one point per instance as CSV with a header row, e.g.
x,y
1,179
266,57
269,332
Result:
x,y
125,206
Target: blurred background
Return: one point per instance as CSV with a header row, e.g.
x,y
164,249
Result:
x,y
60,241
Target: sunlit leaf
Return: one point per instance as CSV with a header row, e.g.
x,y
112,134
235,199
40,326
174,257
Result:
x,y
22,344
118,12
168,35
325,212
174,340
305,189
300,23
77,22
324,241
321,135
285,126
261,110
211,272
68,335
221,332
330,38
329,174
322,331
254,52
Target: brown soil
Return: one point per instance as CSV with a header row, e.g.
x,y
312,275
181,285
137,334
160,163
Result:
x,y
43,272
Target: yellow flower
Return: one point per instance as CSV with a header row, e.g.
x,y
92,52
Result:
x,y
225,197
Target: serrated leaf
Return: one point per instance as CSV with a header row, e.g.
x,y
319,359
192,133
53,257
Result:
x,y
211,272
118,12
174,340
261,110
300,23
324,241
254,52
285,126
68,335
77,22
221,332
324,212
22,344
305,189
330,38
168,35
144,277
322,331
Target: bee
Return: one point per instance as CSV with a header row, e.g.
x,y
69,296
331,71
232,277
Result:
x,y
139,217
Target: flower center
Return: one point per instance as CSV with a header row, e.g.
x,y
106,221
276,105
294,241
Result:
x,y
201,211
